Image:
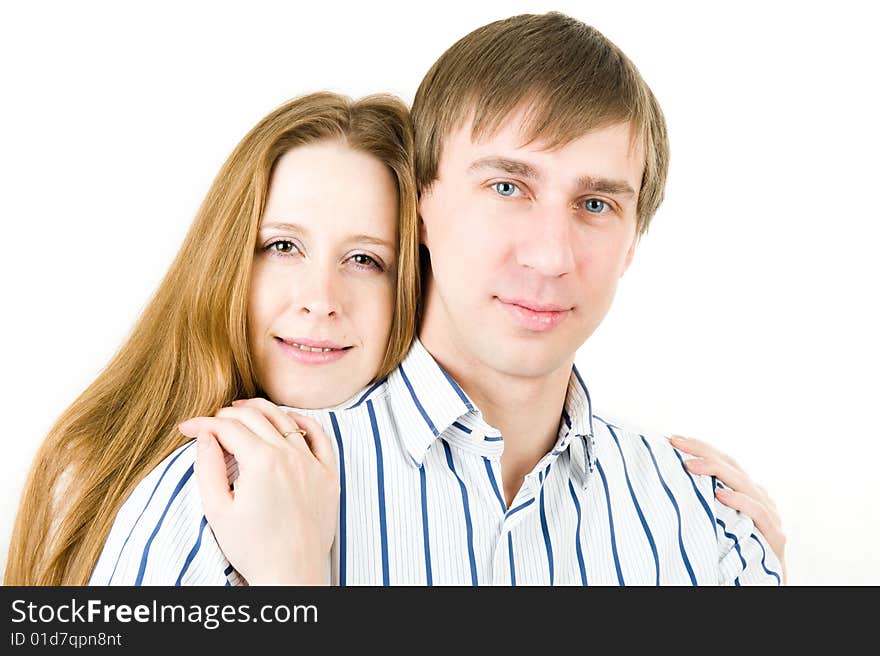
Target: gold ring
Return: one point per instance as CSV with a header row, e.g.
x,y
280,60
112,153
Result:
x,y
295,430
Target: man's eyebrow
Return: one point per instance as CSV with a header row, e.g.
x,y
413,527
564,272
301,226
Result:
x,y
605,186
512,166
585,183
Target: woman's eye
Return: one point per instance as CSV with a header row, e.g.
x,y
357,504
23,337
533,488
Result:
x,y
595,205
365,261
282,247
504,188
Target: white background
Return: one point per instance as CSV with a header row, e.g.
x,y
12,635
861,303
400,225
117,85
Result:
x,y
749,317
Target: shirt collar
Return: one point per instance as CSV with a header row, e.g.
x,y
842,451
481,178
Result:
x,y
427,402
577,422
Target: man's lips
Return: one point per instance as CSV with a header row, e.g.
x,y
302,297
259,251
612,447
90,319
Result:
x,y
535,316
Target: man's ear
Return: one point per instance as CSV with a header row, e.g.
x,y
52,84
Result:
x,y
630,253
423,232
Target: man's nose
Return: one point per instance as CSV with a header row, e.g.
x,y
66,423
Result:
x,y
545,243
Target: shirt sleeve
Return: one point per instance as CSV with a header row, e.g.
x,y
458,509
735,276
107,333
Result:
x,y
160,535
744,555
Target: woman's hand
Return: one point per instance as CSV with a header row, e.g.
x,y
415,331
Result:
x,y
277,524
742,493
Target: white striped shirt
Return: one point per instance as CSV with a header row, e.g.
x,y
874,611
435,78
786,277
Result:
x,y
421,504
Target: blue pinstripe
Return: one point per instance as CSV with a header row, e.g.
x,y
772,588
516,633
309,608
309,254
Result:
x,y
632,494
524,504
494,483
548,545
703,503
731,536
429,575
577,537
458,390
610,524
510,559
418,403
193,551
342,509
764,560
380,476
687,562
146,505
467,513
372,389
143,566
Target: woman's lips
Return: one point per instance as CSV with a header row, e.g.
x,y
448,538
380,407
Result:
x,y
310,351
535,316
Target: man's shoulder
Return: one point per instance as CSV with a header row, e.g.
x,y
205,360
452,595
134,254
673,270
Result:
x,y
627,441
608,427
646,460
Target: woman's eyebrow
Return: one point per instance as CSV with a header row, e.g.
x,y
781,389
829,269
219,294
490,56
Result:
x,y
280,225
370,239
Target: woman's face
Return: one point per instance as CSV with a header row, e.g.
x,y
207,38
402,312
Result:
x,y
323,283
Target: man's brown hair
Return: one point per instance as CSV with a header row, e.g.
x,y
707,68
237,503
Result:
x,y
568,77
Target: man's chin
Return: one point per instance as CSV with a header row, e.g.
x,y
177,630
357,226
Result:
x,y
527,361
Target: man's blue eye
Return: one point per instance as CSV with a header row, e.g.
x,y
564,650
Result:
x,y
505,188
595,205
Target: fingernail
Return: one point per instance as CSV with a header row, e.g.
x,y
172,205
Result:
x,y
692,462
720,491
202,440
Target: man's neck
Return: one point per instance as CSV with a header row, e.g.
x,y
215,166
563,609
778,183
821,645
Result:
x,y
526,410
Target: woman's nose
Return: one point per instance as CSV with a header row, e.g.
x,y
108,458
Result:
x,y
319,297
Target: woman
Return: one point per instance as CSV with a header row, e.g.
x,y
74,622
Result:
x,y
319,193
190,353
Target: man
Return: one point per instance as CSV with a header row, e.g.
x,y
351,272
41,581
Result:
x,y
541,158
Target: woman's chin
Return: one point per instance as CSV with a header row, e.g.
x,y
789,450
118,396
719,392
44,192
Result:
x,y
327,396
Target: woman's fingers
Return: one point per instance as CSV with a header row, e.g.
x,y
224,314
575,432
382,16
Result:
x,y
282,422
233,437
253,420
741,493
210,469
725,472
736,480
701,449
236,438
317,439
763,518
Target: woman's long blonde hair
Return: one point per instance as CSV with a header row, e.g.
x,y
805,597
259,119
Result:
x,y
188,353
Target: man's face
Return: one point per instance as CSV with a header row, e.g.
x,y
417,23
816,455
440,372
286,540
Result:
x,y
527,245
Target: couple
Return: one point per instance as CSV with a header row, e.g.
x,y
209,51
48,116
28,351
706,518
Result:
x,y
496,227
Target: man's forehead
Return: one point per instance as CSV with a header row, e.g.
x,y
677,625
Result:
x,y
512,149
528,124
